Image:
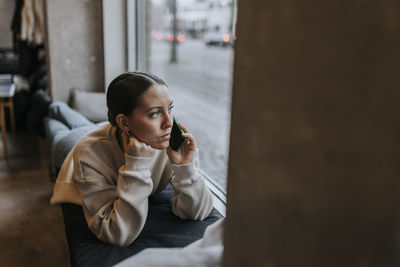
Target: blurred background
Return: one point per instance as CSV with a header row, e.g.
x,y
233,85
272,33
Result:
x,y
60,51
188,43
312,117
191,47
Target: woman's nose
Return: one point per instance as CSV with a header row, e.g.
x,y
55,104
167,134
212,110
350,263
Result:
x,y
168,121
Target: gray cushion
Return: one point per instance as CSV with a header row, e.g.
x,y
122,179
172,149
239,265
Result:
x,y
92,105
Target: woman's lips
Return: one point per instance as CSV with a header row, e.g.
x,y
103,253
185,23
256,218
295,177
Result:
x,y
166,136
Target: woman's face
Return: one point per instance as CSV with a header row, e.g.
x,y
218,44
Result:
x,y
151,121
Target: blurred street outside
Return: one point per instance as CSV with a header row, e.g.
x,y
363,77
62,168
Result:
x,y
200,84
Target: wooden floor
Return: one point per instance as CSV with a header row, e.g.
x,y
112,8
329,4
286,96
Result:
x,y
31,231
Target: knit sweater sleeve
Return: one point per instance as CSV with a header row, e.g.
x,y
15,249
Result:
x,y
192,198
115,213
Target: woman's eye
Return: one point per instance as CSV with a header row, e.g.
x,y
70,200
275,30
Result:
x,y
154,114
157,113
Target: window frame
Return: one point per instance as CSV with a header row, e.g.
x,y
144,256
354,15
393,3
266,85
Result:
x,y
125,50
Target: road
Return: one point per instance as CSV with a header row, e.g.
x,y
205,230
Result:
x,y
200,84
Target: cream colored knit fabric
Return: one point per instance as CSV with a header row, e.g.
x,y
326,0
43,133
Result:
x,y
113,188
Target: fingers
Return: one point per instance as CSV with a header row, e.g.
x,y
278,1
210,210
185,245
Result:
x,y
128,139
189,136
183,127
134,147
186,133
133,141
190,144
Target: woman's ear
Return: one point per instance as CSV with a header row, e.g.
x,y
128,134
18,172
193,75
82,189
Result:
x,y
122,122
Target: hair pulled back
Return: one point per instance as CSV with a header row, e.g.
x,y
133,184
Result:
x,y
124,92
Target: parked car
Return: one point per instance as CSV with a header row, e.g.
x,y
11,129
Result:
x,y
218,37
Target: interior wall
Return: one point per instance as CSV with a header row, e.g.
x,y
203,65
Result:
x,y
115,39
314,170
6,15
75,46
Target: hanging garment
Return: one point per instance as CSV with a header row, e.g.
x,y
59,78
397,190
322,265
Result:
x,y
32,22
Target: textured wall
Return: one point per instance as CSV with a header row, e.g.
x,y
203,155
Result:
x,y
6,14
75,42
315,145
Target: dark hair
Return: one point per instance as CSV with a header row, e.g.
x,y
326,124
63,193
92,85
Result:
x,y
124,91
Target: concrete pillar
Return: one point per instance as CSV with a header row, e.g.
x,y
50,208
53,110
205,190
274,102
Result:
x,y
314,171
75,46
6,15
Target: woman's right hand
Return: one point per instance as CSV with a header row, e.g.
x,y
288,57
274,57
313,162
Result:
x,y
135,148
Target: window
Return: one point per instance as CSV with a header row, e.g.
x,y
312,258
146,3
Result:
x,y
190,45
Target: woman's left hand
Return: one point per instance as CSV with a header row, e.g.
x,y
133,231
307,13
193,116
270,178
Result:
x,y
186,153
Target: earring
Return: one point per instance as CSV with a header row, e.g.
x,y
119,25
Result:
x,y
127,133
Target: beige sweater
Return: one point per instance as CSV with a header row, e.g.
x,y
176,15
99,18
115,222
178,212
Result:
x,y
113,187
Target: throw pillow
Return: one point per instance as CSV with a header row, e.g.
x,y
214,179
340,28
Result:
x,y
92,105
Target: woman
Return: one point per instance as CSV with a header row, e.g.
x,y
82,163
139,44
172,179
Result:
x,y
112,171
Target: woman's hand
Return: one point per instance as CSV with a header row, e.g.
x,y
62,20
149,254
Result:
x,y
186,153
133,147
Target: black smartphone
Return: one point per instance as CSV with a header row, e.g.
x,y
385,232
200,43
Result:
x,y
177,140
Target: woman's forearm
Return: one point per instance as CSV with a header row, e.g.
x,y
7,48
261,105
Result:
x,y
116,213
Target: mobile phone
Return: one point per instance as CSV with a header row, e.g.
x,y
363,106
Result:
x,y
177,140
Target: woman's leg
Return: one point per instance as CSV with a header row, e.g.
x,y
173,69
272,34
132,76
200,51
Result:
x,y
55,130
71,118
